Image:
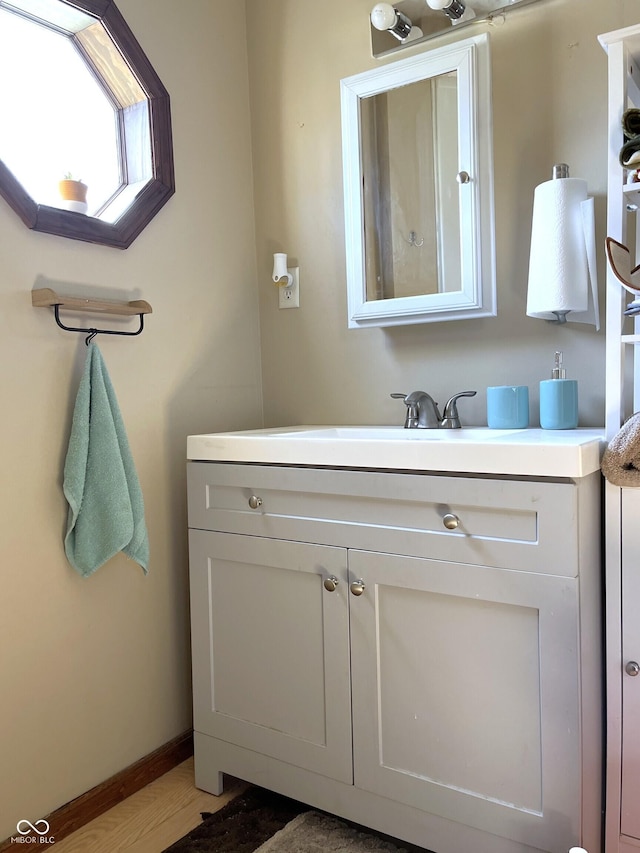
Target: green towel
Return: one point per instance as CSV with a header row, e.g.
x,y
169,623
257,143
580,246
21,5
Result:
x,y
106,510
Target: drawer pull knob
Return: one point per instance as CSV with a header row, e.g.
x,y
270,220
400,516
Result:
x,y
450,521
357,587
255,502
331,583
632,668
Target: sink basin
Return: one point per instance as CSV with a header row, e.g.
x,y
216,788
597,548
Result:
x,y
473,450
365,433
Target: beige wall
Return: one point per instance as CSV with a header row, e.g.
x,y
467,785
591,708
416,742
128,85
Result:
x,y
549,89
95,672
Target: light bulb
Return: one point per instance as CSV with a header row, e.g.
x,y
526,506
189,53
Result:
x,y
383,16
438,5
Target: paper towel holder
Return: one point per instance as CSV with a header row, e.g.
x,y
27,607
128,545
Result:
x,y
572,239
560,170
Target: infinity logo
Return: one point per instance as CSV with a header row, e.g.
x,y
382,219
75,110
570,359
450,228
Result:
x,y
33,827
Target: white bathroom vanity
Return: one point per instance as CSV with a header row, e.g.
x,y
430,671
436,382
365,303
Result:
x,y
402,627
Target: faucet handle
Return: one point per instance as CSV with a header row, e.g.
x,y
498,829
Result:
x,y
450,417
412,409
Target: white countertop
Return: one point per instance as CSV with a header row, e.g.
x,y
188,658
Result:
x,y
475,450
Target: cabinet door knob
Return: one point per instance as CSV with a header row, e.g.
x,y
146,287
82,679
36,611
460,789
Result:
x,y
357,587
463,177
450,521
255,502
331,583
632,668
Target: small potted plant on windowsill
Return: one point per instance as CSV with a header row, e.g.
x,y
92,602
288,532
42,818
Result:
x,y
74,193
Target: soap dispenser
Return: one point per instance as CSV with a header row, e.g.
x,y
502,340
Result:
x,y
558,399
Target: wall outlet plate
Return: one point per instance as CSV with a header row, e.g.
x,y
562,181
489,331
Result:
x,y
289,297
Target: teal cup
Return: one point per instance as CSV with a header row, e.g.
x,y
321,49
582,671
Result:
x,y
508,407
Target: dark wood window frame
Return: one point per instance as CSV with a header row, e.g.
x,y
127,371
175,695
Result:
x,y
153,195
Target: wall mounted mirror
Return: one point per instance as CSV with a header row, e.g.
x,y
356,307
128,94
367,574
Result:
x,y
86,113
418,184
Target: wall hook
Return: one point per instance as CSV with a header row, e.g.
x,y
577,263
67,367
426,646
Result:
x,y
413,240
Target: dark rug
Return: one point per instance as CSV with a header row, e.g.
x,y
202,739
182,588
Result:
x,y
242,825
251,819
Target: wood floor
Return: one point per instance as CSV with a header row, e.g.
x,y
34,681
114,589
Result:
x,y
152,819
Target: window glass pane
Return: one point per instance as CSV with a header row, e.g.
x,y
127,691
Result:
x,y
58,119
59,14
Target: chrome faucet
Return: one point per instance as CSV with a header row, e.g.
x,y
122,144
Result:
x,y
423,412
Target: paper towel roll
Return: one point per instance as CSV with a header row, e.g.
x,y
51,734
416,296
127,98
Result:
x,y
562,271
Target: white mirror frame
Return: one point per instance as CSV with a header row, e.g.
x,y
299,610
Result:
x,y
477,294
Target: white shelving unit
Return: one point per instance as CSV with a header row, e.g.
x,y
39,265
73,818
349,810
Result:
x,y
631,193
622,506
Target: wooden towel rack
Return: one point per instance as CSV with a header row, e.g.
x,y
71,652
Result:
x,y
45,297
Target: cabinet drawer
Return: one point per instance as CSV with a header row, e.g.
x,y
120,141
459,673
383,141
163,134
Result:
x,y
528,525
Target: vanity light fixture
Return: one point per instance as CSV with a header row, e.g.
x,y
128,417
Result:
x,y
385,17
411,21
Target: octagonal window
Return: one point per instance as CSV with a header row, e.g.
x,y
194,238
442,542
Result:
x,y
86,109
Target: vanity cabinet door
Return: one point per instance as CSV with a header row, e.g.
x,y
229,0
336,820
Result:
x,y
465,686
271,649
